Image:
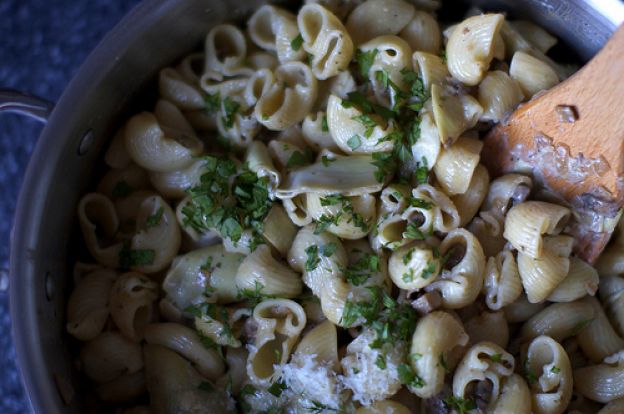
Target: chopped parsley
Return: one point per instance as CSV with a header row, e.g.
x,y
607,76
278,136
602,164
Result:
x,y
408,377
326,160
496,358
385,165
122,189
296,43
530,376
154,219
230,108
359,272
355,217
390,320
297,159
429,270
408,256
230,200
463,406
368,123
442,362
277,388
381,361
313,254
409,276
413,232
422,171
255,295
365,60
354,142
420,203
212,103
326,220
555,369
324,126
580,326
129,258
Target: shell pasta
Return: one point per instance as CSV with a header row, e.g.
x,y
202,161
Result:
x,y
302,223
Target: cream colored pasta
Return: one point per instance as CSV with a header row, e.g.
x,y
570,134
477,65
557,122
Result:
x,y
435,336
120,183
505,192
175,88
422,33
612,296
162,141
499,94
326,39
488,229
315,132
428,147
394,198
431,68
274,29
462,282
484,362
596,336
527,222
537,36
548,363
540,277
280,322
260,269
289,99
87,308
384,407
279,230
582,280
297,210
173,184
99,223
352,217
469,202
453,113
225,51
132,304
613,407
322,342
110,355
456,165
514,396
522,310
532,74
380,17
558,321
488,326
471,47
502,284
602,382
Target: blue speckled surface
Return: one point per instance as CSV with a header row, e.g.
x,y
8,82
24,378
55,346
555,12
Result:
x,y
42,44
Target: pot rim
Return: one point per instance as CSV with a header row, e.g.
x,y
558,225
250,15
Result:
x,y
35,186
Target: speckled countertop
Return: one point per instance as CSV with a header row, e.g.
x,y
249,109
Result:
x,y
43,42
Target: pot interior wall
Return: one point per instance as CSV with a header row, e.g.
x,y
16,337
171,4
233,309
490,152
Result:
x,y
117,80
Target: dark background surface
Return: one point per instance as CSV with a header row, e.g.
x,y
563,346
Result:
x,y
42,44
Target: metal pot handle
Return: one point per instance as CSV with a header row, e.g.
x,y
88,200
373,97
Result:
x,y
25,104
21,103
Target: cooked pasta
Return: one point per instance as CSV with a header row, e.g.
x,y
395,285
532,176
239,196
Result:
x,y
301,223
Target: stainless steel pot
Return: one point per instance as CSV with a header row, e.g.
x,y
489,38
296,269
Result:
x,y
111,83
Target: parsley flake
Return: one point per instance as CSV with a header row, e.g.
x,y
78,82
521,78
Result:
x,y
154,219
463,406
408,377
296,43
354,142
365,60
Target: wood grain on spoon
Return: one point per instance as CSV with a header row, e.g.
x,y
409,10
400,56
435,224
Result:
x,y
572,138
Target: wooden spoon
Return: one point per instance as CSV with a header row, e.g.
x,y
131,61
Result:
x,y
571,139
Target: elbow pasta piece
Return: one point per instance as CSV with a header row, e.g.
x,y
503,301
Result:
x,y
116,155
453,113
353,136
502,285
488,326
499,95
436,334
558,321
259,161
456,165
393,198
532,74
188,344
236,360
353,216
282,151
611,261
612,298
173,184
260,269
596,336
522,310
87,308
427,147
461,279
326,39
222,325
431,69
469,202
515,397
534,34
322,342
540,277
392,55
444,215
548,364
173,87
279,231
297,210
99,223
109,356
422,33
175,386
225,51
206,274
582,280
132,300
289,99
274,29
603,382
488,229
378,17
527,222
123,388
412,267
384,407
280,322
483,362
258,84
471,47
315,132
334,294
505,192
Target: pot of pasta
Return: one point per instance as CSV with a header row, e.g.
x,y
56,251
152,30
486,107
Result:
x,y
280,208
